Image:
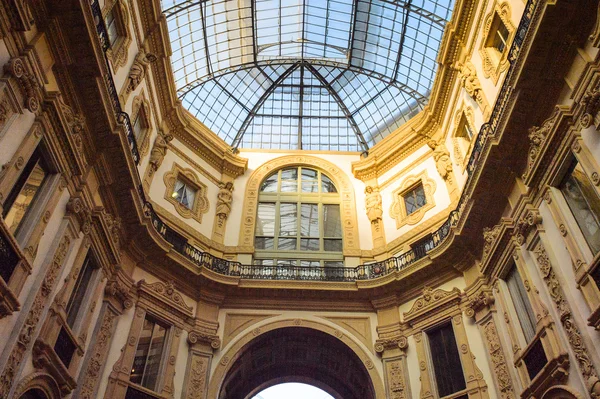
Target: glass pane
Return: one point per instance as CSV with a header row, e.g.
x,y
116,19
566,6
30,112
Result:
x,y
289,180
184,194
333,245
332,225
310,183
584,204
287,262
288,219
309,244
337,263
269,185
264,262
521,303
265,221
309,220
414,199
81,287
327,185
310,263
155,353
141,352
24,192
286,244
264,242
449,376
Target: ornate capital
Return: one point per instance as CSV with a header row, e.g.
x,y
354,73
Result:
x,y
398,342
481,300
79,209
117,290
196,336
19,68
525,224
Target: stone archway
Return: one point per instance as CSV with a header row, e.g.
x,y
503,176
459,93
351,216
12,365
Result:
x,y
38,385
296,351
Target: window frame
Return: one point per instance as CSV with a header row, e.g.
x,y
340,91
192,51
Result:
x,y
117,52
398,208
320,198
462,147
494,62
201,204
160,380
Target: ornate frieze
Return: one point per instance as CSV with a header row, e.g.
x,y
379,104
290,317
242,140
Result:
x,y
165,293
430,300
197,377
499,364
395,380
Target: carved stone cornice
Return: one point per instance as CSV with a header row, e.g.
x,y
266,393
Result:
x,y
430,300
199,337
164,295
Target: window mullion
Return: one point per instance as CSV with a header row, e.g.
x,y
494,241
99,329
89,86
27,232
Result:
x,y
146,358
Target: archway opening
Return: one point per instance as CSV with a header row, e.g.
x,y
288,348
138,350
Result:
x,y
297,354
292,390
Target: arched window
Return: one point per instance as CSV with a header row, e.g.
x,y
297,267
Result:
x,y
298,220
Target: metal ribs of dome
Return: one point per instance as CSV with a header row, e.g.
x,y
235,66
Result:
x,y
304,74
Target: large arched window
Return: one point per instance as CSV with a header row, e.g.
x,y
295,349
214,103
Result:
x,y
298,220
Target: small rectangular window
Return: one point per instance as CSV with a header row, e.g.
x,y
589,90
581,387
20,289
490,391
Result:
x,y
149,354
498,35
80,290
184,193
447,367
584,203
139,124
112,25
519,298
414,199
25,191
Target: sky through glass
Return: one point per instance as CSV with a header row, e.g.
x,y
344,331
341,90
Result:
x,y
305,74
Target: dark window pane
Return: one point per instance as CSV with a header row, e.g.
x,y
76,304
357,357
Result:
x,y
327,185
332,225
310,182
23,194
535,359
522,305
333,245
286,244
270,184
584,204
264,242
265,221
184,193
289,180
414,199
288,219
309,244
309,220
446,361
80,289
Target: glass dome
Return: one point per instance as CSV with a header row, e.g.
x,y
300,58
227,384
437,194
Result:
x,y
304,74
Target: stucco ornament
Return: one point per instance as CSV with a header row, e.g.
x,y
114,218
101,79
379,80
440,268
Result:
x,y
224,199
138,70
469,79
159,150
373,204
441,156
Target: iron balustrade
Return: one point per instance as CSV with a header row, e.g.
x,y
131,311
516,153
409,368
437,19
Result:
x,y
312,273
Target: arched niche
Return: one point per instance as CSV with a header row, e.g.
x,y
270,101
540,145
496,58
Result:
x,y
340,179
561,392
37,386
296,351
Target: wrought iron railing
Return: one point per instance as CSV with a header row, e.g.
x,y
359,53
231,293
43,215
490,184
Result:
x,y
345,274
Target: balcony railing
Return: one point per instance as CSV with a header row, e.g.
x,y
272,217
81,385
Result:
x,y
344,274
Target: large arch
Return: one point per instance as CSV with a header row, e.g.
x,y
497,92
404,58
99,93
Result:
x,y
296,351
41,383
339,177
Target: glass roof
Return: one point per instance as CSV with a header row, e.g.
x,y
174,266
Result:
x,y
305,74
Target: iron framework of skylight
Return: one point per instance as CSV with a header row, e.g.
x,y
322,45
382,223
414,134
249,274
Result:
x,y
304,74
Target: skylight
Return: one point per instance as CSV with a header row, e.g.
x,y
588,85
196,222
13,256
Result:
x,y
305,74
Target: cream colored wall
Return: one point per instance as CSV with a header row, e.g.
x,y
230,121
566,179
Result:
x,y
158,189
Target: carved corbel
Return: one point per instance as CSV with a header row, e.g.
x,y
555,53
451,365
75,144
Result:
x,y
83,214
537,138
398,342
200,337
18,68
118,294
489,237
75,123
525,225
482,300
591,107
